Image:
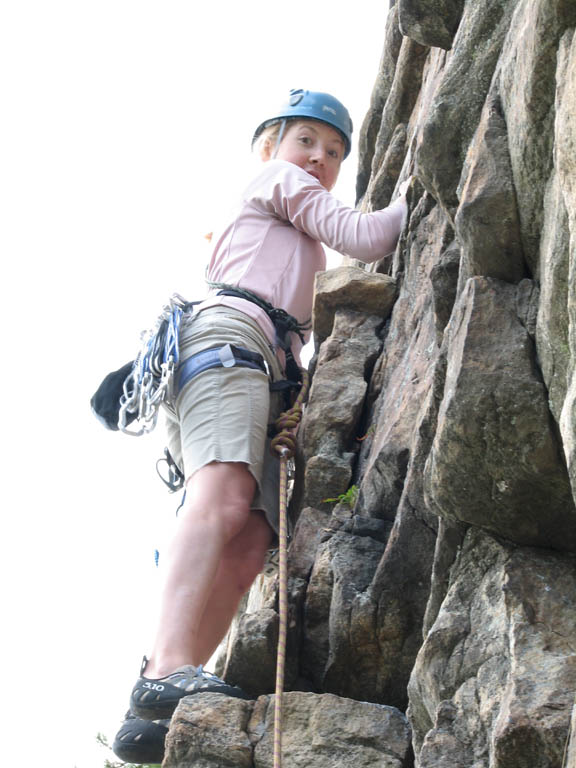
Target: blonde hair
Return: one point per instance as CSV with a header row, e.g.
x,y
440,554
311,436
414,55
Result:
x,y
268,136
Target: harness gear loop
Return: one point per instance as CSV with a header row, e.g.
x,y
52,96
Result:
x,y
173,479
283,446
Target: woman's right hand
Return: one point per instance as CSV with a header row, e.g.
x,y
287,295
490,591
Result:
x,y
405,186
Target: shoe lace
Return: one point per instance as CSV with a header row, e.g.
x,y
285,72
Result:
x,y
202,673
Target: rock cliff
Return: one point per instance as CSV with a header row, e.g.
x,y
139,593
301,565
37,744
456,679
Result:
x,y
433,608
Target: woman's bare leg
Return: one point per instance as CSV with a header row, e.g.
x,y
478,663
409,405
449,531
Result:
x,y
216,511
242,560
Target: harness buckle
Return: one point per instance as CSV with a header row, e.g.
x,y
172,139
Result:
x,y
227,356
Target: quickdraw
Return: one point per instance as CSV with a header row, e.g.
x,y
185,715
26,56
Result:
x,y
150,380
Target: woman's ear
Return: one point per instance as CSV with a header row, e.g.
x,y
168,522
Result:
x,y
266,150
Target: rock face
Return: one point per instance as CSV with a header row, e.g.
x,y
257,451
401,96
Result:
x,y
214,731
497,668
433,562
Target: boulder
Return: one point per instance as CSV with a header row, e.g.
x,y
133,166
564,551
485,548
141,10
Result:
x,y
213,731
430,22
353,289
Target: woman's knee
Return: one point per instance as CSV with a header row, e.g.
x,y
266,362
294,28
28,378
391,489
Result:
x,y
220,494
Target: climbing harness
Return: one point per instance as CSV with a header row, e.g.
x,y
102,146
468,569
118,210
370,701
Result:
x,y
136,391
227,356
284,446
283,323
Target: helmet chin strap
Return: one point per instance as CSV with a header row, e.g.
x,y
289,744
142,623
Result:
x,y
279,139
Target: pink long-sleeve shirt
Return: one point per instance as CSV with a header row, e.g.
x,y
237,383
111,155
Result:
x,y
273,246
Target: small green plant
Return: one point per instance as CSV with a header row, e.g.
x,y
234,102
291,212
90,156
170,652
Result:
x,y
349,498
371,430
103,741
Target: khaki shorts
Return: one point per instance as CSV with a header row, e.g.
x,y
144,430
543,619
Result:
x,y
223,414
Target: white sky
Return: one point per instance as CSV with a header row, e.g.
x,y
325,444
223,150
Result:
x,y
126,126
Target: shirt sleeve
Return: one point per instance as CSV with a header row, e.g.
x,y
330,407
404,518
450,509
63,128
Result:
x,y
297,197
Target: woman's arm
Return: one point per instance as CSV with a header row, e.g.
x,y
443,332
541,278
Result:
x,y
298,198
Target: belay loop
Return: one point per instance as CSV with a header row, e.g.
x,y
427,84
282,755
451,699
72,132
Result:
x,y
283,446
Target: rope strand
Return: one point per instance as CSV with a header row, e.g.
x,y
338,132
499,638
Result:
x,y
284,446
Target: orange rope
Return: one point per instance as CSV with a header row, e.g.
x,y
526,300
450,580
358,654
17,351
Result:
x,y
284,446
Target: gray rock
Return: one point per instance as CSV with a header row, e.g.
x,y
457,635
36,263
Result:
x,y
331,732
371,124
527,85
254,635
496,461
552,330
311,528
565,133
213,731
395,605
571,745
339,649
444,282
451,116
430,22
327,476
384,180
336,403
404,373
397,112
209,730
487,223
351,288
493,683
448,544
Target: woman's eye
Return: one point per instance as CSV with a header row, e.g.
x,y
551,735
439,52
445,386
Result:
x,y
333,153
305,139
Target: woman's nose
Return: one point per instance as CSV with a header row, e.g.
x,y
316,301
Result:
x,y
317,155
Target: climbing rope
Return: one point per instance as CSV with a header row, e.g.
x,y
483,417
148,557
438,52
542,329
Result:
x,y
284,447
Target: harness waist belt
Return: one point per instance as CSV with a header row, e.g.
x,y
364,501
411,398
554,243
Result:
x,y
227,356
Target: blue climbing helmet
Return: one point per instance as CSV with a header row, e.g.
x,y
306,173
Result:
x,y
315,106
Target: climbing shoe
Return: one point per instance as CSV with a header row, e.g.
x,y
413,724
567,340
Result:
x,y
140,741
157,699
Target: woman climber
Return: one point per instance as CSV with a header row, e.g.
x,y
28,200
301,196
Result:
x,y
218,423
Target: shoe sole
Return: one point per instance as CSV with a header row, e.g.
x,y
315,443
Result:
x,y
135,753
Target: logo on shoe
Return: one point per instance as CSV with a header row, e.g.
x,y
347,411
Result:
x,y
154,686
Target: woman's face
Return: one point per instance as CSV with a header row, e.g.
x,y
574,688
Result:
x,y
315,147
